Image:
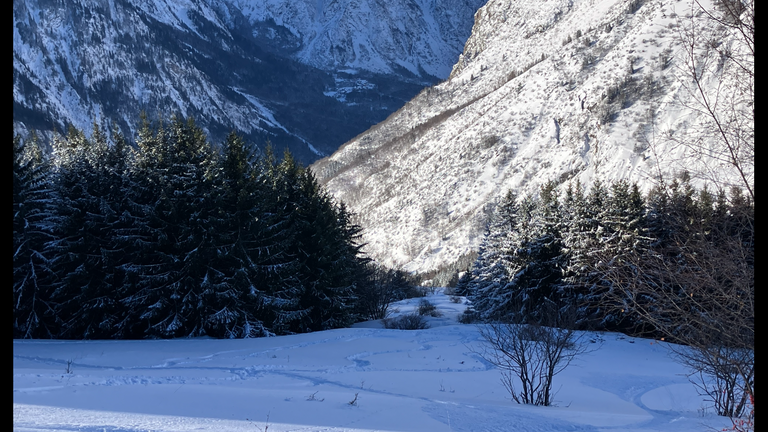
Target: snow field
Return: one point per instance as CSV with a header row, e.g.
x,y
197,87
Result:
x,y
404,380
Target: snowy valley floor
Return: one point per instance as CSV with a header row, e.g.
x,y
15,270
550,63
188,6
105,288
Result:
x,y
423,380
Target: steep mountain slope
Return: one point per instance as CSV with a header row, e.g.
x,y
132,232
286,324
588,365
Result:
x,y
262,68
417,37
548,90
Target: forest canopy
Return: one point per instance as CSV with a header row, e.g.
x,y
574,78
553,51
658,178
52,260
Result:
x,y
175,237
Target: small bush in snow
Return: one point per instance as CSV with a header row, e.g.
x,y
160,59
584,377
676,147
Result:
x,y
468,316
427,308
312,397
406,322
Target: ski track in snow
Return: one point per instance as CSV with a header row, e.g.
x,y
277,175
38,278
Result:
x,y
423,380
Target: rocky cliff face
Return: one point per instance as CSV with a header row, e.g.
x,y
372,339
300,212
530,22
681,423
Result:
x,y
307,75
559,90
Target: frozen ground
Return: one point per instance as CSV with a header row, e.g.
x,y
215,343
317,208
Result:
x,y
425,380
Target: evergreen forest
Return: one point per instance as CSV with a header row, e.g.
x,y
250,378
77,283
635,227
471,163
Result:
x,y
677,262
176,237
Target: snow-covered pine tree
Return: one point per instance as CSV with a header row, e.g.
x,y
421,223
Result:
x,y
87,192
622,233
235,301
33,312
318,285
576,239
340,265
462,285
282,264
177,171
490,273
127,238
605,227
583,229
626,235
539,260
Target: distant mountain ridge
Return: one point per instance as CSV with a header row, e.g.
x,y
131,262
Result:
x,y
559,90
306,75
420,37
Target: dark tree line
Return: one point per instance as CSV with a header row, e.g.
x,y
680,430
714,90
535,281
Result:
x,y
176,237
620,258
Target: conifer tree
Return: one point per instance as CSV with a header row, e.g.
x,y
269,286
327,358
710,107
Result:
x,y
489,289
175,240
236,303
85,205
527,276
178,170
339,266
33,311
316,282
282,267
540,259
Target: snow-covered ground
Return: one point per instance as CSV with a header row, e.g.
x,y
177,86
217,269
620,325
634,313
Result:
x,y
403,380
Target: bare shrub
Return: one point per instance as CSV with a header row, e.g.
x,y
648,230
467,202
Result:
x,y
427,308
726,149
531,355
468,316
313,397
382,287
406,322
719,374
699,290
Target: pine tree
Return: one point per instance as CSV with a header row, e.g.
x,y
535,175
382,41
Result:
x,y
90,181
540,260
33,311
126,238
524,281
178,170
236,301
602,232
624,234
282,265
339,265
488,289
323,242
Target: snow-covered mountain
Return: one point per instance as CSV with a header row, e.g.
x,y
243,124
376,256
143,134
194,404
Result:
x,y
420,37
550,90
304,74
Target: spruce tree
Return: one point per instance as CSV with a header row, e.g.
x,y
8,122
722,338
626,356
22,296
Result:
x,y
524,280
33,312
314,262
85,205
489,289
236,302
282,265
540,259
177,170
127,240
